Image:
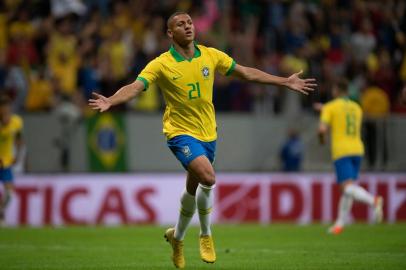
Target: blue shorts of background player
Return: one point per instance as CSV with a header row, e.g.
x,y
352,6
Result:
x,y
186,148
347,168
6,175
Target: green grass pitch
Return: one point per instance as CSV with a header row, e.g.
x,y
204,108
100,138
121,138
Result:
x,y
280,246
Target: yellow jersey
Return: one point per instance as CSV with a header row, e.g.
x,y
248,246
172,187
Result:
x,y
344,118
187,87
7,138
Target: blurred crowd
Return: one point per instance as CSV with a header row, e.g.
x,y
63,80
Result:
x,y
58,51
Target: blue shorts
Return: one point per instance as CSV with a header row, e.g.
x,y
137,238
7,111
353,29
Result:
x,y
347,168
6,175
186,148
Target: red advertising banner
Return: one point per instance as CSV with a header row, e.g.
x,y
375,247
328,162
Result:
x,y
114,199
302,198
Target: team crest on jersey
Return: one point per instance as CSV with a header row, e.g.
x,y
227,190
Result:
x,y
205,72
186,151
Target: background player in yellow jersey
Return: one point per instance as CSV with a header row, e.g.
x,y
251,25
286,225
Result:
x,y
185,74
10,148
344,118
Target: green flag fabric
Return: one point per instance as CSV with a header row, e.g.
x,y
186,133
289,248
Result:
x,y
106,137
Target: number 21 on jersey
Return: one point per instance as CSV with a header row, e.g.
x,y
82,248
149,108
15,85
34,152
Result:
x,y
193,90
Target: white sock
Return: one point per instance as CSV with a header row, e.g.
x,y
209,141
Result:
x,y
344,207
204,201
360,194
187,210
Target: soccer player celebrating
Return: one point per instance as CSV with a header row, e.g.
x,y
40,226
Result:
x,y
10,142
185,74
344,118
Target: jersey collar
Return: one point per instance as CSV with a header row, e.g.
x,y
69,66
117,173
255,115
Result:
x,y
179,58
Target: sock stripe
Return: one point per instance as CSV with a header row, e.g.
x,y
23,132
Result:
x,y
205,211
186,213
206,187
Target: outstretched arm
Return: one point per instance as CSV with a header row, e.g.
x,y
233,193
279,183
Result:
x,y
125,93
293,82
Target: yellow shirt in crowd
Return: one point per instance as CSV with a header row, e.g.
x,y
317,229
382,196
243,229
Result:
x,y
375,102
40,94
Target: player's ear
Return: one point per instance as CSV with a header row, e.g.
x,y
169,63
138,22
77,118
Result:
x,y
169,33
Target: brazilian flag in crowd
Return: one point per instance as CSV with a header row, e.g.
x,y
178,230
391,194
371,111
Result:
x,y
106,143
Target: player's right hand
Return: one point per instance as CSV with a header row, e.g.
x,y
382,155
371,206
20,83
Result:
x,y
99,102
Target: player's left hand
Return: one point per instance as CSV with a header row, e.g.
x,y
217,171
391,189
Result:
x,y
317,106
303,86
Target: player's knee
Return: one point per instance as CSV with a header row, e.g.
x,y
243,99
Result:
x,y
344,186
208,178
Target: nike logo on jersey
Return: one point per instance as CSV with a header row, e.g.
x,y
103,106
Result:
x,y
175,78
